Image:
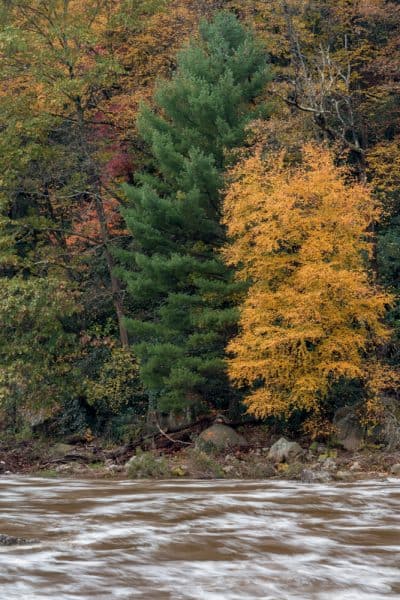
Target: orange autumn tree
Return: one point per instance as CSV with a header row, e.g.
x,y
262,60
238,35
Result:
x,y
300,237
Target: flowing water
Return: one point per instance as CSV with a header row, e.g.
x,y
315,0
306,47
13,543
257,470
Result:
x,y
200,540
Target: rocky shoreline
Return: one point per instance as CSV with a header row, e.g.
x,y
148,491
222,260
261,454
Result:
x,y
219,452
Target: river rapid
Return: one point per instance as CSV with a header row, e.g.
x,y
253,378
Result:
x,y
199,540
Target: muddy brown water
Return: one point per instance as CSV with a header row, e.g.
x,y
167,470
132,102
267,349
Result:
x,y
200,540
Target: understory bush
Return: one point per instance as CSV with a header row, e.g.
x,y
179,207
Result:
x,y
145,465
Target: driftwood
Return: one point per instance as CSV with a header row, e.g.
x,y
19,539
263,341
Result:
x,y
171,439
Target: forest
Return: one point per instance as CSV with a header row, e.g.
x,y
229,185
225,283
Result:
x,y
199,215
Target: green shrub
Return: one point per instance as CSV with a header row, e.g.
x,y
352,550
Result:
x,y
205,463
145,465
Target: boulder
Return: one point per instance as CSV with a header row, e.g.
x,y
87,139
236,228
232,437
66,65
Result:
x,y
330,464
317,476
350,433
284,451
387,432
219,437
395,470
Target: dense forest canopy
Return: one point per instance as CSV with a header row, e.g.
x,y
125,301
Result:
x,y
199,210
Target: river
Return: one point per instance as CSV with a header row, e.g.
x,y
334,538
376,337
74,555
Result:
x,y
197,540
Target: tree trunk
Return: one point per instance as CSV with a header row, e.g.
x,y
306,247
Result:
x,y
115,284
102,218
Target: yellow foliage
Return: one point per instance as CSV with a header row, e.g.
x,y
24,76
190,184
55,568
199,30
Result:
x,y
384,170
382,380
318,427
117,382
300,237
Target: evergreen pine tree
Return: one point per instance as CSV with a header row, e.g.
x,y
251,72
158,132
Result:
x,y
179,288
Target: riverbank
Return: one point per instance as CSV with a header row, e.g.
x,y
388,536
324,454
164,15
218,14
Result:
x,y
261,455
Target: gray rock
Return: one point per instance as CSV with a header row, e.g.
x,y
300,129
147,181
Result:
x,y
318,476
113,467
329,464
219,437
284,451
350,433
395,470
10,540
355,466
387,432
71,468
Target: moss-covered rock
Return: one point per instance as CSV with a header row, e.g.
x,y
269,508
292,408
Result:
x,y
218,438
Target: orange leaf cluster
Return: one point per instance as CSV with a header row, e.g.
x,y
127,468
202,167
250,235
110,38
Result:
x,y
300,238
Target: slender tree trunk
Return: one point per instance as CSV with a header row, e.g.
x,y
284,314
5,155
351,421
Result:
x,y
115,284
116,291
